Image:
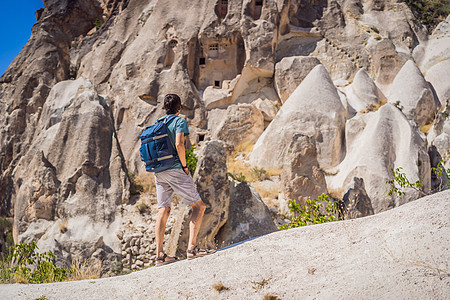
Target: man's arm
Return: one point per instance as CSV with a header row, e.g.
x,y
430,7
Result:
x,y
181,150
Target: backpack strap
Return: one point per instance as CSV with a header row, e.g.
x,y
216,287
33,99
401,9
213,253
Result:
x,y
169,119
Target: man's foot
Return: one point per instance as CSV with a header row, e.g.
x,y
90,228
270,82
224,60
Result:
x,y
164,260
198,252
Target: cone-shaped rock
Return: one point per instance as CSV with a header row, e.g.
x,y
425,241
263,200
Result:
x,y
363,91
376,142
315,110
413,94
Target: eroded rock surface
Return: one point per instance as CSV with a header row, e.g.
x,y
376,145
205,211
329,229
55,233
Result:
x,y
314,109
248,216
69,147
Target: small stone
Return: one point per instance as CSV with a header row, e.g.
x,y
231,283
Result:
x,y
133,242
139,263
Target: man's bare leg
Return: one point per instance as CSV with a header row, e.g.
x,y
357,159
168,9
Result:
x,y
198,209
160,229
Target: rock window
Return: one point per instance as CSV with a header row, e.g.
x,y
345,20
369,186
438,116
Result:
x,y
217,83
257,8
202,61
223,8
201,137
173,44
213,50
170,53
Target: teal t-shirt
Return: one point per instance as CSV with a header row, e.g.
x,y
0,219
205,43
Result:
x,y
177,125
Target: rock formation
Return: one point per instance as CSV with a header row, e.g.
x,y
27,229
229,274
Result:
x,y
301,176
300,79
248,216
411,93
377,141
399,254
314,109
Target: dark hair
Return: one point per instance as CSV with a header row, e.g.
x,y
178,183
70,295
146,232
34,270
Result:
x,y
172,103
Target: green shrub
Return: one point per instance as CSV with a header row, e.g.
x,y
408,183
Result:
x,y
238,177
316,211
191,160
399,181
442,175
429,12
98,23
259,174
25,264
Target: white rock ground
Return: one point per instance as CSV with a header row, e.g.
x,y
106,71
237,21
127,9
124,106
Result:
x,y
399,254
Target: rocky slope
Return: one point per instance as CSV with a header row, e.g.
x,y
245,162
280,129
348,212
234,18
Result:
x,y
399,254
331,93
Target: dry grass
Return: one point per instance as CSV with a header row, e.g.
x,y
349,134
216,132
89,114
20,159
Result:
x,y
238,166
245,147
374,107
267,190
426,128
260,284
220,287
143,208
82,269
336,194
147,182
271,297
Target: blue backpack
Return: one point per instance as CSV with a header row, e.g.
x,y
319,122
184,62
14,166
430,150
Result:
x,y
156,149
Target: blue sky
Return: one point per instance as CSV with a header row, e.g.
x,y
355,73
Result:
x,y
16,20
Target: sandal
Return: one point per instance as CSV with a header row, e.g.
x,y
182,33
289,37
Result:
x,y
198,252
160,261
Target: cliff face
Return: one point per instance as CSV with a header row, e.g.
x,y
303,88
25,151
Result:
x,y
93,75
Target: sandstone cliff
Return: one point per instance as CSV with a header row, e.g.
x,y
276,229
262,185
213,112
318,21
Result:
x,y
332,93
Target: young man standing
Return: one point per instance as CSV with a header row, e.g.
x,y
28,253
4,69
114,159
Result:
x,y
177,179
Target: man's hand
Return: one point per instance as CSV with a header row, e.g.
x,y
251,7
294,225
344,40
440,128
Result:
x,y
186,170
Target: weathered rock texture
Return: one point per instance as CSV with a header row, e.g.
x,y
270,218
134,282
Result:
x,y
363,93
290,72
314,109
433,59
412,94
377,141
248,216
301,175
67,148
213,187
240,123
399,254
78,176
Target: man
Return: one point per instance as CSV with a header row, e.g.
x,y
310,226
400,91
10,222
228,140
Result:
x,y
177,179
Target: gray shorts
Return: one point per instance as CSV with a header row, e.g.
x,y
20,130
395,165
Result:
x,y
175,180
